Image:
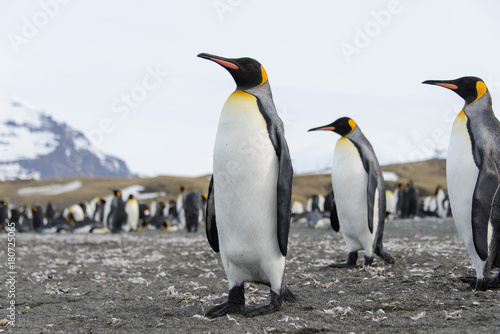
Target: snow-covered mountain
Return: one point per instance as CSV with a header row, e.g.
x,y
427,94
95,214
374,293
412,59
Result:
x,y
34,146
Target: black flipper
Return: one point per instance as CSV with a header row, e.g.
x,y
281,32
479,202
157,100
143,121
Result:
x,y
371,189
486,188
276,132
334,218
284,192
211,226
372,184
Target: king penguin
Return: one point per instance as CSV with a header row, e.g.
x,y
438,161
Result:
x,y
472,173
251,169
359,190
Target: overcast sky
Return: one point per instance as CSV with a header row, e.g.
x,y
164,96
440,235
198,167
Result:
x,y
126,73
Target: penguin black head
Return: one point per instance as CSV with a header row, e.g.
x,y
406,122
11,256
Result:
x,y
343,126
469,88
246,72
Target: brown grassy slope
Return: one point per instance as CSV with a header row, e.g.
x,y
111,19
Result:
x,y
426,175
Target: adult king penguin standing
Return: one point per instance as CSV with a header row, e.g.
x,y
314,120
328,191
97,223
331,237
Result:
x,y
249,199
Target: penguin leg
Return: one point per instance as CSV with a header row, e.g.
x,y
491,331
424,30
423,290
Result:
x,y
368,260
275,304
352,257
235,303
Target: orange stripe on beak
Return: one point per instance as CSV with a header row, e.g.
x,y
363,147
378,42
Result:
x,y
225,63
446,85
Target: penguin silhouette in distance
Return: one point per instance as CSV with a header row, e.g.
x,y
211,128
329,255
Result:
x,y
252,169
472,173
359,190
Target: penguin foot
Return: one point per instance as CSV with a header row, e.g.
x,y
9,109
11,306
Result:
x,y
385,256
368,260
235,304
273,306
288,295
352,258
481,284
344,265
225,308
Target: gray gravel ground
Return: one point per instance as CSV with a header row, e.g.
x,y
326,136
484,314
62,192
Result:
x,y
163,282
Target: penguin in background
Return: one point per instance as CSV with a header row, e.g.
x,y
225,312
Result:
x,y
443,202
472,173
252,169
180,207
132,212
193,210
38,219
359,191
400,201
50,213
411,201
117,216
98,205
4,215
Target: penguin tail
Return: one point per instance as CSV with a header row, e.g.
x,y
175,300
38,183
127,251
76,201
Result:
x,y
288,295
385,256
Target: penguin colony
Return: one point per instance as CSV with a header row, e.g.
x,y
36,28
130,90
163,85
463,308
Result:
x,y
252,168
110,214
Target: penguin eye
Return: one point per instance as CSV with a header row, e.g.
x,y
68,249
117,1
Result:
x,y
248,67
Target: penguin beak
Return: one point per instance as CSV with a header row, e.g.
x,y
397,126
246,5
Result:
x,y
323,128
442,83
224,62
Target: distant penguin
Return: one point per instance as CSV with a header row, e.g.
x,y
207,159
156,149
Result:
x,y
76,213
38,220
400,201
316,203
17,218
359,189
117,216
180,207
132,212
442,202
297,208
249,199
410,201
49,211
98,205
4,215
193,210
472,172
389,203
143,216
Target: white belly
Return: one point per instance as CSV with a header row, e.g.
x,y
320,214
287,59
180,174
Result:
x,y
461,174
349,180
245,183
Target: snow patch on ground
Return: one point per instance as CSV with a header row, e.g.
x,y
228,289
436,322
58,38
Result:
x,y
53,189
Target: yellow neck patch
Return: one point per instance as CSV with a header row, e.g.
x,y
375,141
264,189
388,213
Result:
x,y
481,90
264,76
352,124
